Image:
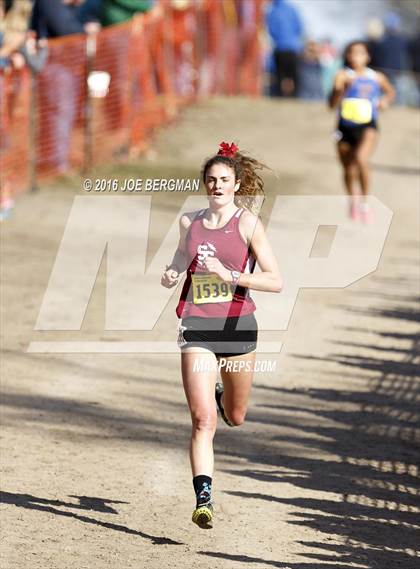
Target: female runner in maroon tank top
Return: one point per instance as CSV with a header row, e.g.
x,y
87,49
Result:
x,y
219,247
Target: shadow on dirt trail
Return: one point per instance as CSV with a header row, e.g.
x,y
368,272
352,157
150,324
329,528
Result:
x,y
85,503
372,433
357,445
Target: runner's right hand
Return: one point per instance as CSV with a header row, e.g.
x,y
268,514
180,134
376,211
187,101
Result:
x,y
343,81
169,278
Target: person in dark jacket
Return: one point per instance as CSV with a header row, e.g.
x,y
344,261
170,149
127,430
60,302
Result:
x,y
394,50
414,50
89,11
55,18
286,30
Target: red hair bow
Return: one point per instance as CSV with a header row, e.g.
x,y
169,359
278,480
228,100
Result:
x,y
227,149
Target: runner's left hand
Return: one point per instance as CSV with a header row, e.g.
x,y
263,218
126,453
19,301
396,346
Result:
x,y
383,104
213,265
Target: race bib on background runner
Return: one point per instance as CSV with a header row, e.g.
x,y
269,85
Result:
x,y
356,110
210,288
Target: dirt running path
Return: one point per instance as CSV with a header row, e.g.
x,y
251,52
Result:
x,y
95,471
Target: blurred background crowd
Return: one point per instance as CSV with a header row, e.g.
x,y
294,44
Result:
x,y
302,39
307,46
276,48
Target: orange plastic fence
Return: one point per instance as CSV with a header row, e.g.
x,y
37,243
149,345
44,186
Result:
x,y
15,93
158,62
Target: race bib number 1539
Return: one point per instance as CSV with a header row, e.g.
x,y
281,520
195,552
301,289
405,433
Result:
x,y
210,288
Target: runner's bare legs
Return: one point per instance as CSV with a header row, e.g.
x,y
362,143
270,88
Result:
x,y
363,153
199,390
237,386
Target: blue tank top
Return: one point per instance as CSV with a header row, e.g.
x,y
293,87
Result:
x,y
360,101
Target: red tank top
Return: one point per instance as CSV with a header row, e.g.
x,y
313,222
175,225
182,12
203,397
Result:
x,y
227,245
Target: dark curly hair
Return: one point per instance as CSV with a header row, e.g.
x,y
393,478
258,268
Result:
x,y
245,169
349,47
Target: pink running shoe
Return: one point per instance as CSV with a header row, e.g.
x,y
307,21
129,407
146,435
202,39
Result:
x,y
366,214
354,211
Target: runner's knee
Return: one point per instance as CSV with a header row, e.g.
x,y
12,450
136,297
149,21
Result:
x,y
362,161
204,421
236,416
350,168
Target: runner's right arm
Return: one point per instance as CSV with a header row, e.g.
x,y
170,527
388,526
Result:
x,y
341,82
179,262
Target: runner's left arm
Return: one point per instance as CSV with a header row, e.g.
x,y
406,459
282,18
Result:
x,y
269,279
388,91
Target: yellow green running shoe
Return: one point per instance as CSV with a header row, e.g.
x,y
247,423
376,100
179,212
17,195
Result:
x,y
203,516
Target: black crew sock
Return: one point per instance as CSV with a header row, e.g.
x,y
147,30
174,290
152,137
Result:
x,y
202,487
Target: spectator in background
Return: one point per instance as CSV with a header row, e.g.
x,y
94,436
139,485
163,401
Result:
x,y
330,63
375,32
61,82
113,58
13,27
414,50
394,53
118,11
14,20
88,12
56,18
310,73
18,46
285,28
